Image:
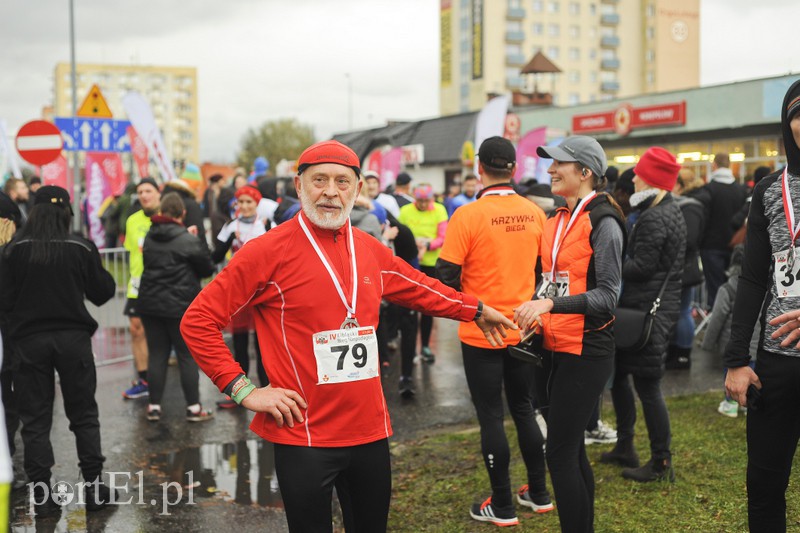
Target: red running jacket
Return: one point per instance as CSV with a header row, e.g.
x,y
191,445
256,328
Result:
x,y
292,297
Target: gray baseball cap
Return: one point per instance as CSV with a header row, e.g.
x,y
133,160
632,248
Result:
x,y
584,150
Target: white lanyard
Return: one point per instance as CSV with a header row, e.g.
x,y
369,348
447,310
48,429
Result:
x,y
788,210
500,191
351,309
574,216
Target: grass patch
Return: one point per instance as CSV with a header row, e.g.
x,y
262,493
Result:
x,y
437,478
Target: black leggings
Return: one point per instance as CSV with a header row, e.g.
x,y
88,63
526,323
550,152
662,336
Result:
x,y
567,387
361,474
241,352
488,372
772,435
654,409
163,334
426,321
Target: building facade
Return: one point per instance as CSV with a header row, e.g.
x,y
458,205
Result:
x,y
606,49
171,91
694,124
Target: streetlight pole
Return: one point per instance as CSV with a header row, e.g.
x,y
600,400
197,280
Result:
x,y
76,180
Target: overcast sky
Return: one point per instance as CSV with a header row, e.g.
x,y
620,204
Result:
x,y
261,60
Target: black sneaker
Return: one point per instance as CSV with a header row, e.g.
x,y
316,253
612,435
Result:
x,y
43,504
427,355
97,495
486,512
660,470
201,416
407,387
540,503
153,413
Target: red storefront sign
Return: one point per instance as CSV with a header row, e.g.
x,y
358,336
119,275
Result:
x,y
626,118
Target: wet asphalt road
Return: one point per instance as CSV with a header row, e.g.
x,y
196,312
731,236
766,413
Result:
x,y
224,472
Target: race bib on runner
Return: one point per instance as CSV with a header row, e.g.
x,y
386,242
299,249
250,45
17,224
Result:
x,y
787,275
346,355
548,289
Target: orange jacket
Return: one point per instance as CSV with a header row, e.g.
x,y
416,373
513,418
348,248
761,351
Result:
x,y
577,334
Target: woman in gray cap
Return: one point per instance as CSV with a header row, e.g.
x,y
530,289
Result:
x,y
581,254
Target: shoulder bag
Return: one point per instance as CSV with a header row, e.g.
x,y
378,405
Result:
x,y
632,327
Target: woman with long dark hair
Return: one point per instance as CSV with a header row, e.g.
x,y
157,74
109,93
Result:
x,y
46,274
581,252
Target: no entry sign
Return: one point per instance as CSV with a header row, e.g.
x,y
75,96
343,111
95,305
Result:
x,y
39,142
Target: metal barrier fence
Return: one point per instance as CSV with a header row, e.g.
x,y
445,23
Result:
x,y
112,342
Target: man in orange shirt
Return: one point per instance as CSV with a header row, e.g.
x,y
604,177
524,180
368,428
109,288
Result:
x,y
490,250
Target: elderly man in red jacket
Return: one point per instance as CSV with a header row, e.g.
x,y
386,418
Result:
x,y
315,284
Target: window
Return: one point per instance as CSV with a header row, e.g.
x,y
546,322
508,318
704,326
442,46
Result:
x,y
607,54
575,31
513,25
592,53
538,28
537,6
574,76
574,99
513,49
574,53
574,8
552,7
651,32
553,30
650,56
514,4
552,52
651,10
593,76
592,32
651,78
592,9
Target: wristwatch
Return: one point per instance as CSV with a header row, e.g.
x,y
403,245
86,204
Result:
x,y
480,311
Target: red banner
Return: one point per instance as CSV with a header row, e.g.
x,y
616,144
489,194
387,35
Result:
x,y
527,158
626,118
112,170
56,173
139,152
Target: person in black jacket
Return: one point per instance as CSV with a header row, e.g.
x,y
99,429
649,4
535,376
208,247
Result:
x,y
193,219
46,274
656,249
770,274
726,197
174,263
680,347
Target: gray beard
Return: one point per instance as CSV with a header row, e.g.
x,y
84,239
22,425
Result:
x,y
325,221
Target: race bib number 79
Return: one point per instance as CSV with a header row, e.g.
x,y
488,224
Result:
x,y
346,355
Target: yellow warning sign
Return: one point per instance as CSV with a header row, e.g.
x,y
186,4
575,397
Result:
x,y
94,105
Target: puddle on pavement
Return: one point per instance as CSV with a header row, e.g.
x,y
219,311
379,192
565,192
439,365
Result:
x,y
242,472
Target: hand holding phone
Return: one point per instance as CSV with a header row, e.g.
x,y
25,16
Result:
x,y
754,400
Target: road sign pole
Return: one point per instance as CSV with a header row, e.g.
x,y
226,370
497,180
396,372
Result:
x,y
76,179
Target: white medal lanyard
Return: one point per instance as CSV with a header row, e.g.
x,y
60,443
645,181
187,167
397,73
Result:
x,y
501,191
788,209
557,243
350,321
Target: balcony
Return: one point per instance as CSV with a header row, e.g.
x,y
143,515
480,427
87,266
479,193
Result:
x,y
515,60
609,86
609,19
609,1
609,64
609,41
515,36
515,13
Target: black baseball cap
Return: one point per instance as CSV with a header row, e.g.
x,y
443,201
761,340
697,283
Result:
x,y
497,153
52,194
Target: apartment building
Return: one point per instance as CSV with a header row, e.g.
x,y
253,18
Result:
x,y
605,49
171,91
